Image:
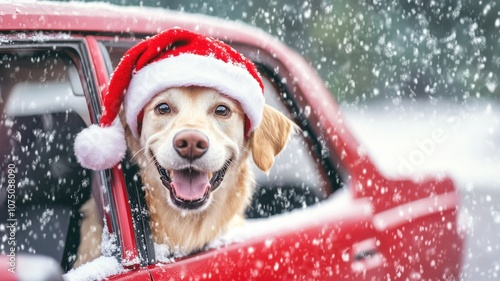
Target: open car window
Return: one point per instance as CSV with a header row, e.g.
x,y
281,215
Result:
x,y
296,180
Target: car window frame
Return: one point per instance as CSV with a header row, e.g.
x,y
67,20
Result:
x,y
136,198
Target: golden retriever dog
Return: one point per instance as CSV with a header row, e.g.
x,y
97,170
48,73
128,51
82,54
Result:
x,y
193,158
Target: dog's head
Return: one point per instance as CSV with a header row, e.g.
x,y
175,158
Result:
x,y
192,136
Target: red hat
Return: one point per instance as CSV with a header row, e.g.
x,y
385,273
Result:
x,y
173,58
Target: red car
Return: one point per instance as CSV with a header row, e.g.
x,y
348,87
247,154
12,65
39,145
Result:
x,y
325,212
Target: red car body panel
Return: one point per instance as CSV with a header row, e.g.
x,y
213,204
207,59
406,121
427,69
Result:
x,y
385,233
319,251
142,274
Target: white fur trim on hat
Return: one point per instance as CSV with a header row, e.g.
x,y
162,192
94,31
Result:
x,y
100,148
194,70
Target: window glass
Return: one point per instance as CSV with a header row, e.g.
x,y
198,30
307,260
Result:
x,y
295,179
43,107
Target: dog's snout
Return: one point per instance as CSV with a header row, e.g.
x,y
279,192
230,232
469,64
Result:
x,y
190,144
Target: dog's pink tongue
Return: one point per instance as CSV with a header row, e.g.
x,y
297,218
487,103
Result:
x,y
190,185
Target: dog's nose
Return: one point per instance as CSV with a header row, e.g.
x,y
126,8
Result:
x,y
190,144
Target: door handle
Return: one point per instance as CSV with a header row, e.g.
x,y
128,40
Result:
x,y
366,255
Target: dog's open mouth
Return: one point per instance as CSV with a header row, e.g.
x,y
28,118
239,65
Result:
x,y
190,188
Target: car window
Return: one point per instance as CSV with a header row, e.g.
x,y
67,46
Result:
x,y
43,107
297,178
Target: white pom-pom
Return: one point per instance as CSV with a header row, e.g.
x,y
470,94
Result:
x,y
100,148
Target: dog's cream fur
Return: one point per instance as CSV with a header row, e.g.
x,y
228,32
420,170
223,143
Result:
x,y
194,108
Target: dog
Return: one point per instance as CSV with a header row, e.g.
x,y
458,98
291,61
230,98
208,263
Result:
x,y
193,158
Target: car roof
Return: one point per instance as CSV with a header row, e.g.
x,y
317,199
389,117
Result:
x,y
104,17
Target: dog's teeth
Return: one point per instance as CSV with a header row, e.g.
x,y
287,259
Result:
x,y
171,174
210,175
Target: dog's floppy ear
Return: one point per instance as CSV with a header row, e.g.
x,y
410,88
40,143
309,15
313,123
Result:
x,y
270,137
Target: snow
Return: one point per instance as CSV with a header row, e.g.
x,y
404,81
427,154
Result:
x,y
335,206
108,244
424,139
102,267
97,269
165,255
35,36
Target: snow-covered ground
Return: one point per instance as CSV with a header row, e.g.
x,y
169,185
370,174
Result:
x,y
460,141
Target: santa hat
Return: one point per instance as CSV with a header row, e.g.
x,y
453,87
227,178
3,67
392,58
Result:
x,y
173,58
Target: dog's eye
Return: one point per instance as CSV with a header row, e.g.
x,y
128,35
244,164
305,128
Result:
x,y
222,110
162,108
